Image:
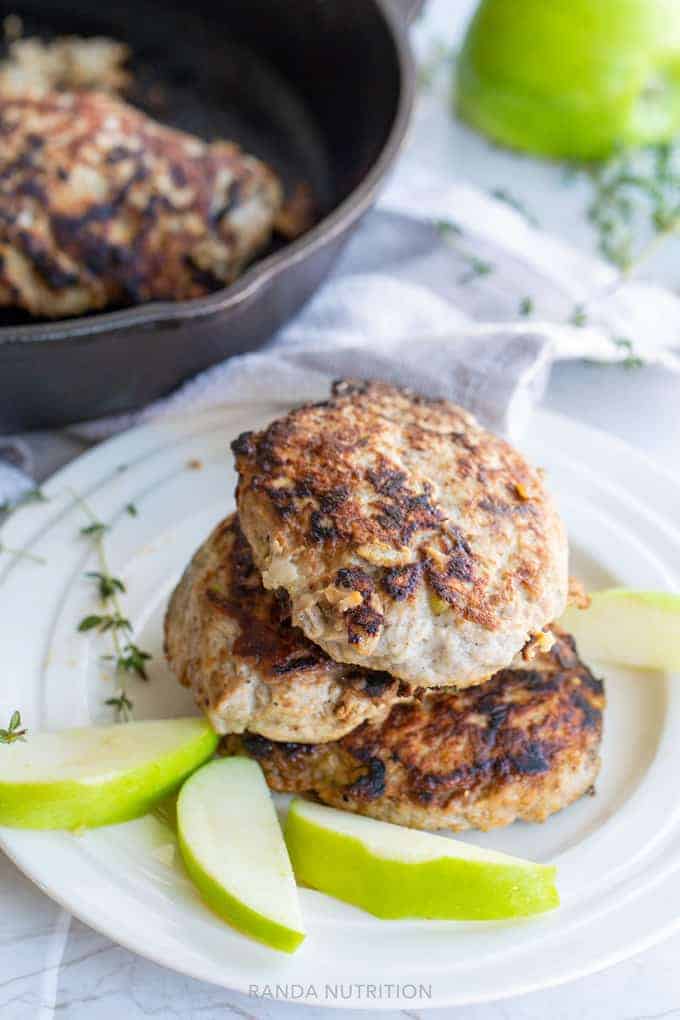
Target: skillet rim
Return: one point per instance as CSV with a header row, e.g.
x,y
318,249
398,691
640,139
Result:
x,y
337,222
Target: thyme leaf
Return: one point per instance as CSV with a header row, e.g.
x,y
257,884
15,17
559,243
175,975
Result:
x,y
503,195
122,705
96,528
478,267
448,229
109,621
133,660
89,623
632,360
14,731
578,316
107,585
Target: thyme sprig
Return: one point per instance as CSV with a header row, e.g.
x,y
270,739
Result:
x,y
14,730
127,657
634,209
635,192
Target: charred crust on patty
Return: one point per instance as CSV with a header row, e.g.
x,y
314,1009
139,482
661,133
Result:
x,y
376,683
262,749
266,632
447,519
505,749
296,664
257,746
100,205
401,582
371,784
533,759
355,579
321,526
363,622
244,445
249,666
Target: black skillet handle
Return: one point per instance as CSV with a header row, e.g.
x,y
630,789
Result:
x,y
408,9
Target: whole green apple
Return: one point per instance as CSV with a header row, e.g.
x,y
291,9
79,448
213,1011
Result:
x,y
572,78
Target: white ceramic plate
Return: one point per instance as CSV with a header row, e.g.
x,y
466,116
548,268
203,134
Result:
x,y
618,853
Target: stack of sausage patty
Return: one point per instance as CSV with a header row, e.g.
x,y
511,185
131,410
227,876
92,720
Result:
x,y
375,625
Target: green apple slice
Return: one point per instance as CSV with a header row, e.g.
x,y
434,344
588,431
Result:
x,y
81,778
234,851
394,872
634,628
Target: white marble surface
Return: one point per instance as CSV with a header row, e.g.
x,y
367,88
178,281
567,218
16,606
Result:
x,y
52,966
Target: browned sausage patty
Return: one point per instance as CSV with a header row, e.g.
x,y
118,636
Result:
x,y
234,644
408,537
522,746
101,205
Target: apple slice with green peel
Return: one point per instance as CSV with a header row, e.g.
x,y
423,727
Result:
x,y
633,628
233,849
394,872
98,775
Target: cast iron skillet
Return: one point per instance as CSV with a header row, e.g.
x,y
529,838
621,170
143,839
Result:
x,y
321,89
